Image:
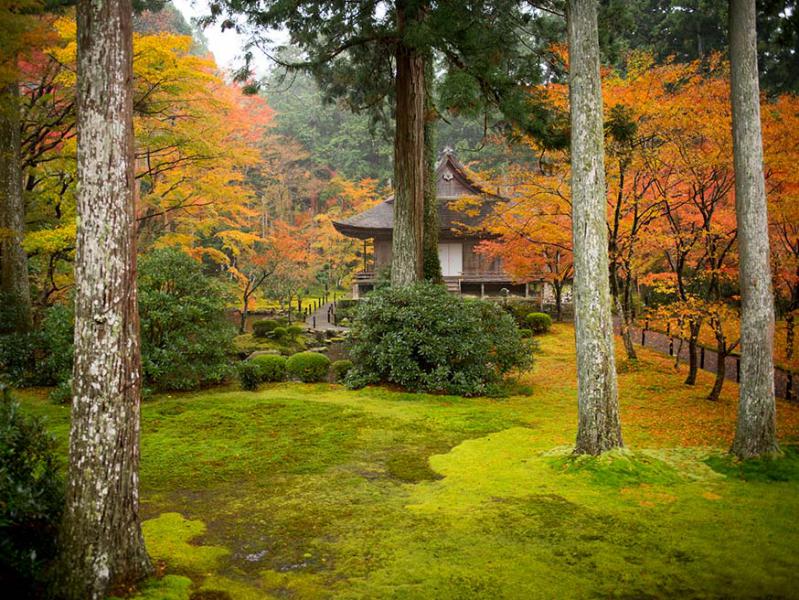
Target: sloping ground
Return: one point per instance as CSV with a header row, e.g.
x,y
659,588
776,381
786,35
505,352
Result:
x,y
301,491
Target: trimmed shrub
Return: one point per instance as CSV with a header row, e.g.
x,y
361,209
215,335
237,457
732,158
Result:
x,y
279,333
539,322
519,308
31,500
62,393
426,339
308,367
526,332
340,369
249,375
272,367
263,328
294,330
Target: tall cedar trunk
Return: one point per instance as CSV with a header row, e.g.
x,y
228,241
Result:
x,y
757,416
432,264
13,261
407,264
102,548
599,428
693,343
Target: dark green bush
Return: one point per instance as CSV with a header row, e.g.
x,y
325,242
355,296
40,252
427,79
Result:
x,y
263,328
426,339
41,357
294,330
340,369
186,337
249,373
539,322
525,332
31,499
346,309
279,333
272,367
308,367
62,393
519,308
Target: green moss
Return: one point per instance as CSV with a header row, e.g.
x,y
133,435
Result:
x,y
618,468
168,539
779,468
313,491
170,587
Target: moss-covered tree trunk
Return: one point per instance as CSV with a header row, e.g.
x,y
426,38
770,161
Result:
x,y
102,548
432,264
14,283
756,428
407,244
599,428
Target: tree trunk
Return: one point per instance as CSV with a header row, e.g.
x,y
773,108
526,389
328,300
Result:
x,y
693,342
407,245
432,265
624,325
789,337
721,373
102,548
14,283
599,428
244,313
558,301
756,427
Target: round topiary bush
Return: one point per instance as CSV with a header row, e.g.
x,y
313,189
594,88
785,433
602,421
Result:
x,y
263,328
426,339
294,330
308,367
526,332
340,369
249,373
539,322
279,333
272,367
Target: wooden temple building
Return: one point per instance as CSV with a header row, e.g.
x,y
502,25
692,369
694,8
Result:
x,y
465,271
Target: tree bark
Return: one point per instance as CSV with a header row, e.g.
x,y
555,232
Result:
x,y
755,433
14,283
693,342
599,428
721,373
432,265
102,548
407,264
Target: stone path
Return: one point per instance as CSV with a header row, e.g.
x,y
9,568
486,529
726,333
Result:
x,y
318,320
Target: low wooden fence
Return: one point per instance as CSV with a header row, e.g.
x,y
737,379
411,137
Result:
x,y
785,381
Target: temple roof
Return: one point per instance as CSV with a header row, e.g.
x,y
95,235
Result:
x,y
452,183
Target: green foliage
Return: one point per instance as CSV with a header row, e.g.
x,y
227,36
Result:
x,y
346,309
294,330
525,332
308,367
249,375
425,339
263,328
62,393
539,322
31,498
280,333
40,357
519,308
186,338
272,367
340,368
